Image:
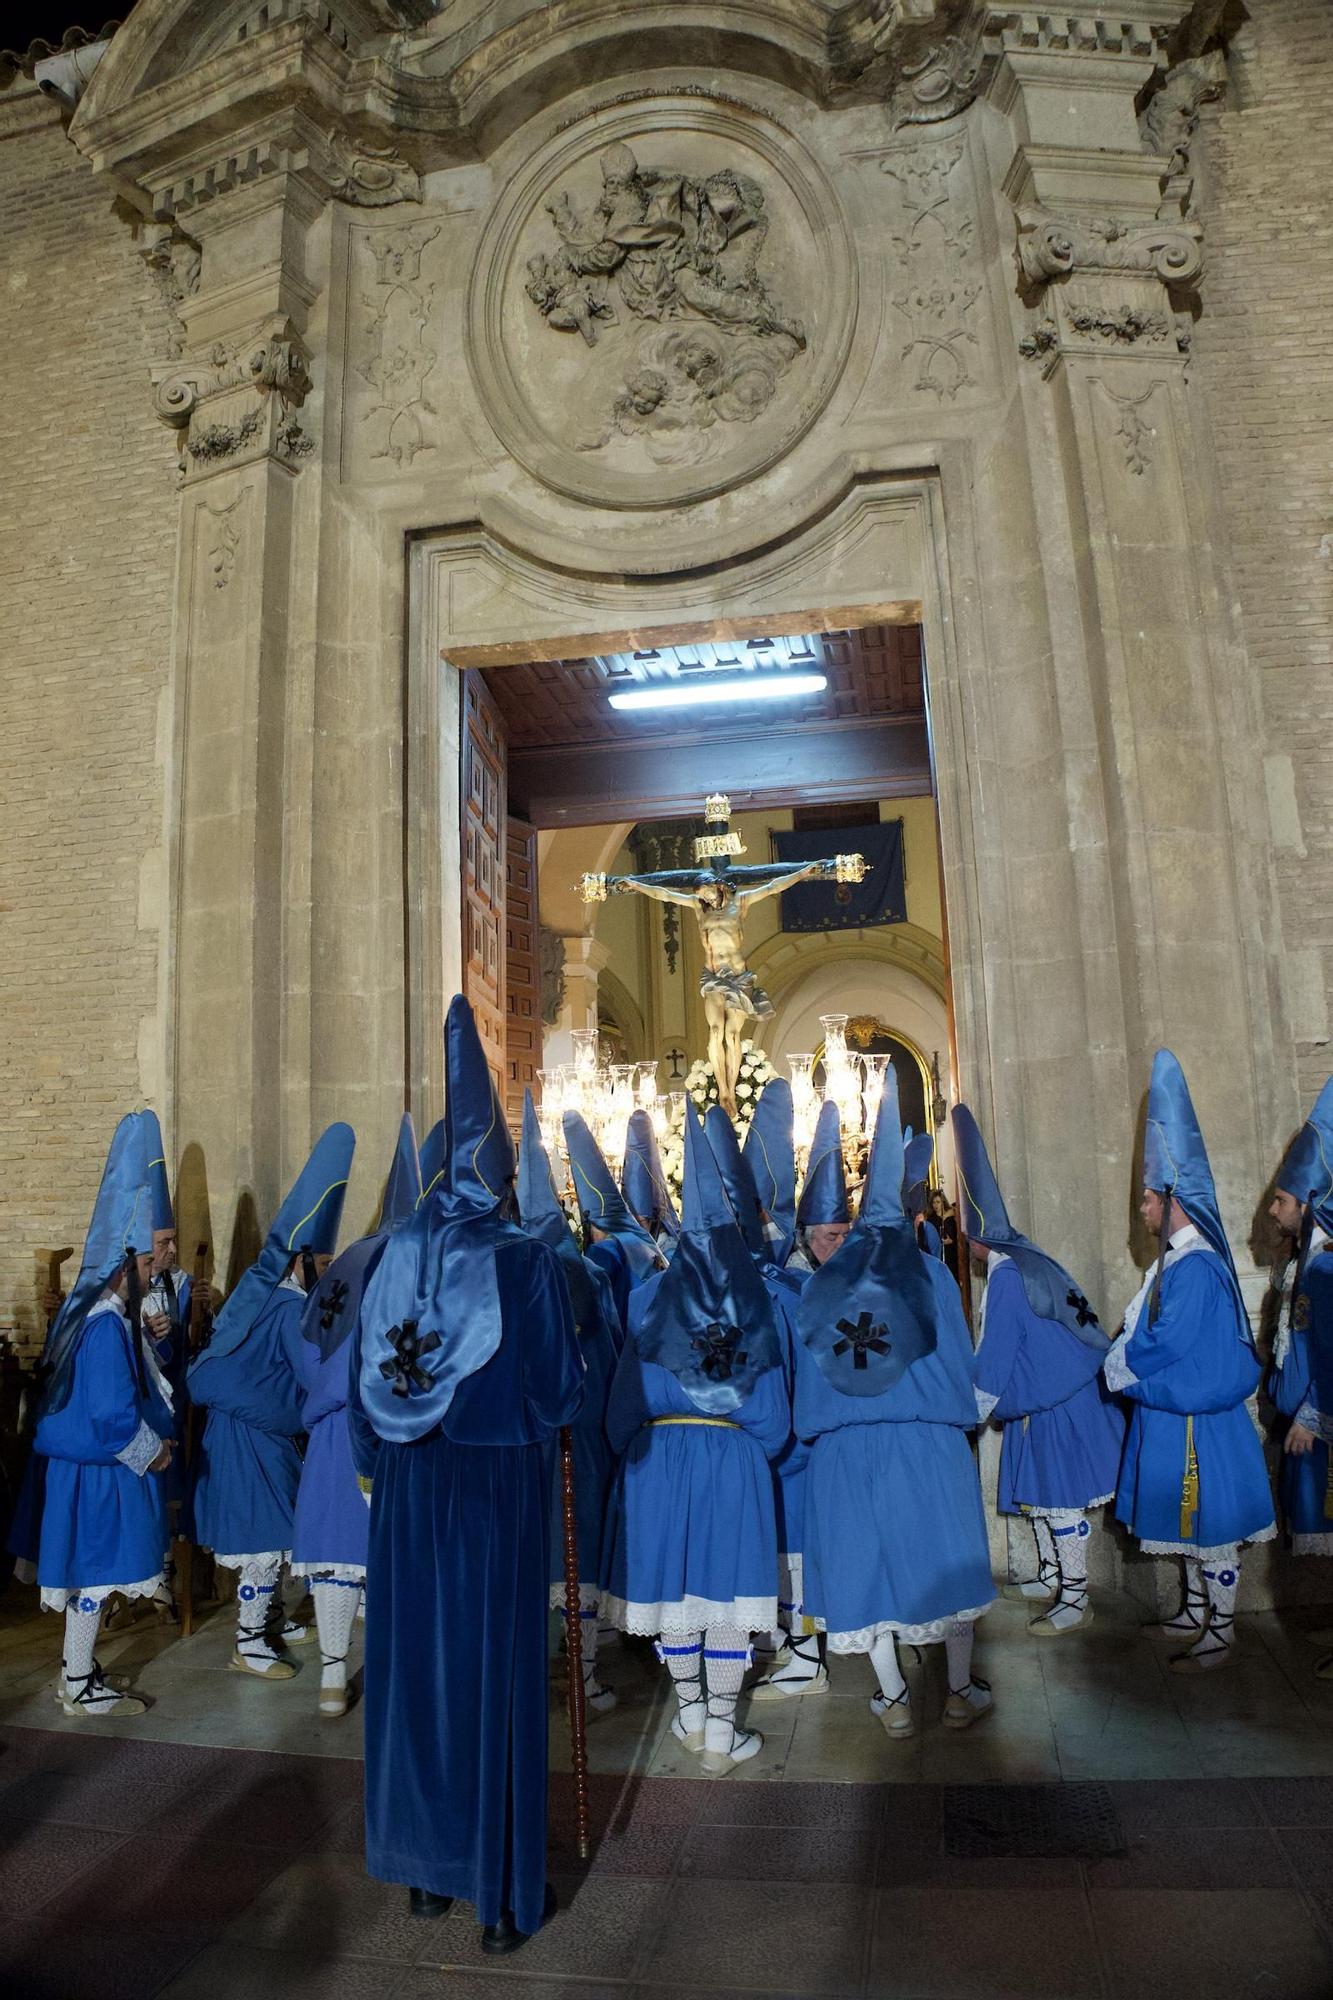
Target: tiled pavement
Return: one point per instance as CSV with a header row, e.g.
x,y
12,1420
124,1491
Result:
x,y
158,1858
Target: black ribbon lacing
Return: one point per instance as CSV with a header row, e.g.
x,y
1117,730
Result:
x,y
405,1371
1085,1315
861,1338
717,1344
332,1303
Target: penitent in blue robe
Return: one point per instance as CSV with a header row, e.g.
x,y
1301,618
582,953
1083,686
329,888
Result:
x,y
599,1342
1063,1429
248,1468
173,1355
1190,1375
1299,1376
104,1523
456,1613
895,1533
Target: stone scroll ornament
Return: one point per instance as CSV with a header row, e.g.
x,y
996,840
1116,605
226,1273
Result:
x,y
679,256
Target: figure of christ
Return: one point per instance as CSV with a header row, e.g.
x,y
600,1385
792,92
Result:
x,y
718,895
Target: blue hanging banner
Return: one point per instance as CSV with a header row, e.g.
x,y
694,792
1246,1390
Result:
x,y
844,906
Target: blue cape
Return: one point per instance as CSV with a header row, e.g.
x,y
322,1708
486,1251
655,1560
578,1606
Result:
x,y
121,1224
710,1320
824,1193
307,1220
430,1316
770,1154
1051,1292
869,1312
642,1181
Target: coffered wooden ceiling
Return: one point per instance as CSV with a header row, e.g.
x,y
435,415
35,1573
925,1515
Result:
x,y
559,704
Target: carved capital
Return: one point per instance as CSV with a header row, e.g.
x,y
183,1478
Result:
x,y
936,83
1054,246
369,176
237,401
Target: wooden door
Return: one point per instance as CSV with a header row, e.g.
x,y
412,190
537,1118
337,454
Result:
x,y
484,803
523,1012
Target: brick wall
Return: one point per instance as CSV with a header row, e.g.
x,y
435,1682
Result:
x,y
87,527
1264,360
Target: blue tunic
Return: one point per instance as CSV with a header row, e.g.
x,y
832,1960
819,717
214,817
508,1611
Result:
x,y
1063,1429
103,1524
1190,1375
1303,1477
456,1614
594,1465
691,1537
248,1467
331,1528
895,1533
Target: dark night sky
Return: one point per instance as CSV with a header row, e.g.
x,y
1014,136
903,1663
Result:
x,y
21,21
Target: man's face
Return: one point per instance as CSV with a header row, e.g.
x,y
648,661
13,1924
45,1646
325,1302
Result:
x,y
164,1249
1150,1208
826,1239
1287,1212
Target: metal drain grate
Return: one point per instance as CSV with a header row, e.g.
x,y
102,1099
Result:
x,y
1075,1821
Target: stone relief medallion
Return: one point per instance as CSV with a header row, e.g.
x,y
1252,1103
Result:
x,y
662,302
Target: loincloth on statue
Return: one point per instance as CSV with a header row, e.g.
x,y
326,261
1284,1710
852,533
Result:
x,y
739,990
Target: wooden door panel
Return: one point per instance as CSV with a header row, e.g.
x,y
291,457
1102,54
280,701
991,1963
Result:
x,y
484,790
523,1024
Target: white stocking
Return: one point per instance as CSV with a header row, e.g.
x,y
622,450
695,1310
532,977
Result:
x,y
1192,1616
1221,1579
958,1653
679,1653
892,1690
726,1656
80,1645
254,1604
1070,1533
335,1614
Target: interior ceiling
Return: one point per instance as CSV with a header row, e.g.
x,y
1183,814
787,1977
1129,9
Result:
x,y
562,704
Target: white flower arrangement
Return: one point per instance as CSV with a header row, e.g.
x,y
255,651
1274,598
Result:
x,y
701,1084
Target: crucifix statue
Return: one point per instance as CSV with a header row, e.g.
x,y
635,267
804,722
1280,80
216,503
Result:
x,y
718,892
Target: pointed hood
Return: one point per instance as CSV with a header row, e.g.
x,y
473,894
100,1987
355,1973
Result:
x,y
918,1153
983,1218
402,1189
600,1200
1307,1166
1175,1160
642,1181
307,1221
164,1216
121,1224
770,1154
430,1316
869,1312
334,1306
432,1158
710,1320
737,1179
824,1193
543,1216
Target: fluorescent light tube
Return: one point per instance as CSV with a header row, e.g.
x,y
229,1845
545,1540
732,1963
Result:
x,y
700,693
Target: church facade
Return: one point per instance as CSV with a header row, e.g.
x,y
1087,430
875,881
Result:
x,y
351,343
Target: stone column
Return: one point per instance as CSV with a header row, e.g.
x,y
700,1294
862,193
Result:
x,y
234,395
585,958
1109,264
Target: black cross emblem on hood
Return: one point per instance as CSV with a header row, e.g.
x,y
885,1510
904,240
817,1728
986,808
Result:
x,y
861,1337
1082,1310
406,1372
332,1303
717,1345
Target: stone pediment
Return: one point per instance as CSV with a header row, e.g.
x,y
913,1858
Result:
x,y
662,301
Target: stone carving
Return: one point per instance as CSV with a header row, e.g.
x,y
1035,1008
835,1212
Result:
x,y
1123,323
1042,341
551,972
225,402
937,84
680,253
938,291
1051,246
226,542
1135,433
400,354
370,176
1170,118
175,262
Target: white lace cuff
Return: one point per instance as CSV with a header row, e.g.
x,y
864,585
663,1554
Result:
x,y
1118,1373
141,1450
1315,1420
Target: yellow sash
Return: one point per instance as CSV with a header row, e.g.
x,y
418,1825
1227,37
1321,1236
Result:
x,y
713,1423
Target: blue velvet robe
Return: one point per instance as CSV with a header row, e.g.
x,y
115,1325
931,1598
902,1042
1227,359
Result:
x,y
248,1467
1194,1367
173,1355
102,1523
1303,1477
456,1612
1063,1429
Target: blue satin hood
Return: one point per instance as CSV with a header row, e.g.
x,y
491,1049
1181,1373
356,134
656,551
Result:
x,y
824,1193
642,1181
770,1154
736,1179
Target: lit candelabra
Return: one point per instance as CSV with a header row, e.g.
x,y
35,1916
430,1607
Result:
x,y
604,1094
854,1083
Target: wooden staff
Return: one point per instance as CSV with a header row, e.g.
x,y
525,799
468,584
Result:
x,y
195,1333
578,1724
